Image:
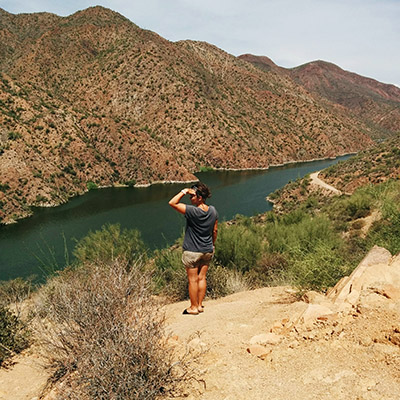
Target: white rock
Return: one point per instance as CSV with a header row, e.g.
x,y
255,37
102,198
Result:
x,y
266,338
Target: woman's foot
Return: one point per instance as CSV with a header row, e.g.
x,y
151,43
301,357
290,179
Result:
x,y
200,309
188,311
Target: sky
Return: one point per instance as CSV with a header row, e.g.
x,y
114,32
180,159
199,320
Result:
x,y
361,36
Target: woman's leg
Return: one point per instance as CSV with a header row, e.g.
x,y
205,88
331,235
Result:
x,y
202,285
193,278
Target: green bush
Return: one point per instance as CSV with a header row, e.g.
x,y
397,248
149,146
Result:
x,y
110,243
317,269
299,231
239,247
270,270
170,274
91,185
386,233
13,335
15,290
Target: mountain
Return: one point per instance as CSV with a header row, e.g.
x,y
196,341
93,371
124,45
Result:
x,y
371,102
92,99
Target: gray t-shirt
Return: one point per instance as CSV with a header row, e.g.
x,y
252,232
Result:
x,y
199,229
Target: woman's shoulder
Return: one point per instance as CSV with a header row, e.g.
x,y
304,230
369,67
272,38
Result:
x,y
213,210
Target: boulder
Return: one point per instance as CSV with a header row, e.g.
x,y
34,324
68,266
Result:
x,y
363,275
259,351
266,338
313,313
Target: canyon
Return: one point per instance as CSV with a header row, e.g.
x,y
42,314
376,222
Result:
x,y
92,100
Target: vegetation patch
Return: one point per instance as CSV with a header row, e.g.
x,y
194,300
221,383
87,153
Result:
x,y
13,335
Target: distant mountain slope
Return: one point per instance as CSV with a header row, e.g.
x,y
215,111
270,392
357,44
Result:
x,y
371,166
94,98
374,103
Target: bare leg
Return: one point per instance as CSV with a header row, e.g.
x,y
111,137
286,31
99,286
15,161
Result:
x,y
193,278
202,286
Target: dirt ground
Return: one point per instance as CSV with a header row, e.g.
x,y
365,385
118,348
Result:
x,y
353,357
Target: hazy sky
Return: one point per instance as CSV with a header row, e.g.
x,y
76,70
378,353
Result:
x,y
361,36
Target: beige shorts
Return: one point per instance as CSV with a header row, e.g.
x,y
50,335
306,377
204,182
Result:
x,y
192,259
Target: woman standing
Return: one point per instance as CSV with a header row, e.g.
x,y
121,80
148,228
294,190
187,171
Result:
x,y
198,244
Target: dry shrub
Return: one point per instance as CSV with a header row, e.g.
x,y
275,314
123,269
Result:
x,y
222,281
104,334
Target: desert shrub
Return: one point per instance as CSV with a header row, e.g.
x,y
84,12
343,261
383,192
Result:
x,y
104,334
299,231
110,243
91,185
386,233
222,281
15,290
13,335
270,270
358,206
239,247
317,269
170,274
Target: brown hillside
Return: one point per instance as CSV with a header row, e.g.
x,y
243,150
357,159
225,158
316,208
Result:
x,y
373,103
94,98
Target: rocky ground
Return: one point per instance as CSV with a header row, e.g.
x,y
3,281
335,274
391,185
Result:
x,y
268,344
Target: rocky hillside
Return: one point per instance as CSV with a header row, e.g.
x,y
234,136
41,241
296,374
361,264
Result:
x,y
375,165
92,99
375,103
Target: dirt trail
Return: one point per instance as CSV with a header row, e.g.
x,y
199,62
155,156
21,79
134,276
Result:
x,y
25,380
319,182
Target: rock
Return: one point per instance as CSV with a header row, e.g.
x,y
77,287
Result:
x,y
259,351
313,312
353,297
313,297
394,338
281,327
358,278
266,338
387,290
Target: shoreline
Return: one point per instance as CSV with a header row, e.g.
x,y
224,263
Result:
x,y
282,164
146,185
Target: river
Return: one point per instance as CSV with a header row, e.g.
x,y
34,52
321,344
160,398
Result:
x,y
48,237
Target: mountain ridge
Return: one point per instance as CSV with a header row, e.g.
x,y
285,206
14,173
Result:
x,y
93,98
365,98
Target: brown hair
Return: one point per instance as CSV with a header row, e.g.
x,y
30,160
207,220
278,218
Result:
x,y
202,190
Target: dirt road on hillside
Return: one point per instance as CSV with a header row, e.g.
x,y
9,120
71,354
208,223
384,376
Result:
x,y
319,182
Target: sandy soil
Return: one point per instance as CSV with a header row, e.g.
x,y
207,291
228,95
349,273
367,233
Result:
x,y
348,358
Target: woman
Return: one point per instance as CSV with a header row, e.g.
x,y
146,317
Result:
x,y
198,244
